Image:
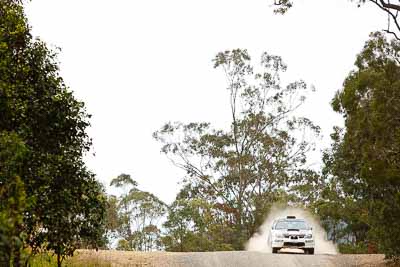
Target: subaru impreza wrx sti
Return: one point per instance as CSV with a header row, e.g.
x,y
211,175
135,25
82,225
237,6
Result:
x,y
291,232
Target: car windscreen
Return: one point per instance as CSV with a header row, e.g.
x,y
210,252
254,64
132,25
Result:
x,y
291,224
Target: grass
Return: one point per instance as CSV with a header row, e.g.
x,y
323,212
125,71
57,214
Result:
x,y
49,260
43,260
92,258
353,248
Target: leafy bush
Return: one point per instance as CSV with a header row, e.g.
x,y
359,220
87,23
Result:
x,y
12,200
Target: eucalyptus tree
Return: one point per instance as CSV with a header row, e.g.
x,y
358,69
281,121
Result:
x,y
365,155
193,224
242,170
138,215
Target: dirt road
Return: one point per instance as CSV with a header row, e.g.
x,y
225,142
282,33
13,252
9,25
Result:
x,y
228,259
258,259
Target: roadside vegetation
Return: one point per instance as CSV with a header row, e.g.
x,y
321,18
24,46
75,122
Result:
x,y
49,200
49,260
51,204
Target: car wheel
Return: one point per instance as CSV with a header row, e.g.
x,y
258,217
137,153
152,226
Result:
x,y
309,251
274,250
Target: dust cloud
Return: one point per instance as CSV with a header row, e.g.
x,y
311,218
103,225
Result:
x,y
259,241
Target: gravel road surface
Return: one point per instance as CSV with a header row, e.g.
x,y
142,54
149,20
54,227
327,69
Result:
x,y
259,259
228,259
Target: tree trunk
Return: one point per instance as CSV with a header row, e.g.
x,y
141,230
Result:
x,y
239,229
17,258
334,233
58,260
181,236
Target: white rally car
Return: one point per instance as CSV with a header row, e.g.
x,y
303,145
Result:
x,y
291,232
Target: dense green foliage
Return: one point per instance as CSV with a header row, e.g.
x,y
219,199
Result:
x,y
235,175
365,155
58,203
12,200
193,224
357,194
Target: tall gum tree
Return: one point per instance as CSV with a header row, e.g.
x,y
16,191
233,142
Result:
x,y
365,155
136,216
243,170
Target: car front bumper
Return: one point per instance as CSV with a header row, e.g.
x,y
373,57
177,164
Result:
x,y
290,243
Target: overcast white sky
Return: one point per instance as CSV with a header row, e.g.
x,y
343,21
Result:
x,y
138,64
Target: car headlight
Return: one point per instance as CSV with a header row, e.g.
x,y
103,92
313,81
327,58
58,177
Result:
x,y
278,235
308,236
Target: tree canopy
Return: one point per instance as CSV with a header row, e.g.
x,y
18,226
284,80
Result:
x,y
134,217
365,155
63,203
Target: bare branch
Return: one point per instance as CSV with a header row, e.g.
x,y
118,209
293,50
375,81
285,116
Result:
x,y
394,34
389,5
386,7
